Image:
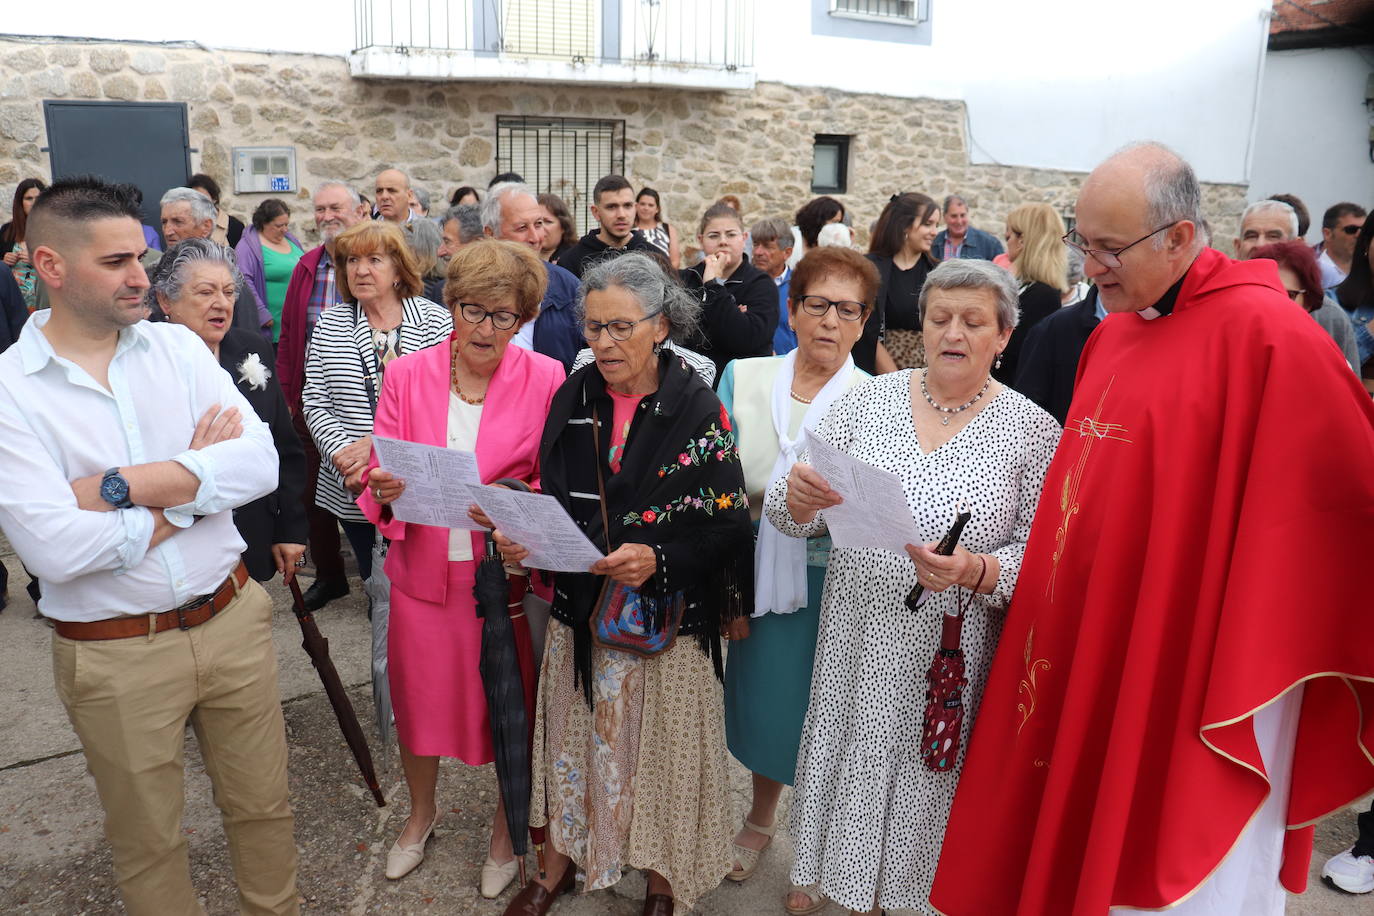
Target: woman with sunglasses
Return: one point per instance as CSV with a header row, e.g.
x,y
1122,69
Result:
x,y
772,400
868,813
482,395
1301,279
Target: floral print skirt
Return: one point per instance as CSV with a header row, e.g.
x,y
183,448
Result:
x,y
638,779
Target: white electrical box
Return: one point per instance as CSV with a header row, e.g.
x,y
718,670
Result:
x,y
264,169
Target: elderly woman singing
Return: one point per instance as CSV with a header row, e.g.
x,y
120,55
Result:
x,y
868,815
481,395
772,400
629,751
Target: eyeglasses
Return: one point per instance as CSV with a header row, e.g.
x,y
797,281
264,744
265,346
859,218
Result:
x,y
1352,228
730,235
1108,258
476,314
620,329
847,309
1294,293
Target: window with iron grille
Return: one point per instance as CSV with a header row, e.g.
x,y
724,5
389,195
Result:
x,y
899,11
563,156
830,164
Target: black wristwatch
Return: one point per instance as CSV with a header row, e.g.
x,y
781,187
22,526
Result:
x,y
114,489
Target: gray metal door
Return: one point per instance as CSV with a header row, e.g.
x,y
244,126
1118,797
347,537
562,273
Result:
x,y
143,143
563,156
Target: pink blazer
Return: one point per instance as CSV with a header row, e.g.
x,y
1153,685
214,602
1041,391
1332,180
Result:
x,y
414,406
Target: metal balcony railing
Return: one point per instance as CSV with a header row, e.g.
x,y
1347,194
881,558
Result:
x,y
713,34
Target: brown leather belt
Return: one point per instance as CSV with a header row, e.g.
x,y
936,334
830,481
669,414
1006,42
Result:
x,y
191,614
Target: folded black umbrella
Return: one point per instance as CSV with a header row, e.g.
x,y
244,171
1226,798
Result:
x,y
317,647
508,682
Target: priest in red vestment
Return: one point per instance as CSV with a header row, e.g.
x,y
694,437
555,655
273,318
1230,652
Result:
x,y
1185,681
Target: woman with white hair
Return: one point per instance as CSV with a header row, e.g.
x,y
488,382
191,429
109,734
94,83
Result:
x,y
629,740
869,809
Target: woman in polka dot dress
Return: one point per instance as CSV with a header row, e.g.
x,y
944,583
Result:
x,y
867,815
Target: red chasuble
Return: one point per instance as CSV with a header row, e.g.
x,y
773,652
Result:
x,y
1201,547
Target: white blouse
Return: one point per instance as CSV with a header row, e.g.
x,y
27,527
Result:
x,y
463,420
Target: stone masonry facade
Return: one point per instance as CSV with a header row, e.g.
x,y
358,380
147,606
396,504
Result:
x,y
692,145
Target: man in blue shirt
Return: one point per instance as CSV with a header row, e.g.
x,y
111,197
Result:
x,y
772,248
960,240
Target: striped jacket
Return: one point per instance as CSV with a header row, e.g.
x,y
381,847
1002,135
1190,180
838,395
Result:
x,y
335,399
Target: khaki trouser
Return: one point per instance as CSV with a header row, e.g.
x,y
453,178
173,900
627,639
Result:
x,y
129,701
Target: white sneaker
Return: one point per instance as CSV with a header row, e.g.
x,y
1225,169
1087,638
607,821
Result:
x,y
1350,873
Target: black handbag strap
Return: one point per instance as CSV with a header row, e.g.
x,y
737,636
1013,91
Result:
x,y
370,373
600,479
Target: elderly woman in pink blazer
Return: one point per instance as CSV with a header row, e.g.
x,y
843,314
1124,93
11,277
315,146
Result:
x,y
478,394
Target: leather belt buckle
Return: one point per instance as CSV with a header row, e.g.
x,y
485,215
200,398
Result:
x,y
181,620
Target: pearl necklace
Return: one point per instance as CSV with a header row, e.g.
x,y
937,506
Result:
x,y
799,398
453,375
949,412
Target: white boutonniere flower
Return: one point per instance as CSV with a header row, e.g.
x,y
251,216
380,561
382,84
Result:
x,y
252,371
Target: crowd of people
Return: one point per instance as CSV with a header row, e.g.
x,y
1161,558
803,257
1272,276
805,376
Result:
x,y
1096,692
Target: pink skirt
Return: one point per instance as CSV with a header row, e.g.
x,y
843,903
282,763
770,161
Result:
x,y
432,657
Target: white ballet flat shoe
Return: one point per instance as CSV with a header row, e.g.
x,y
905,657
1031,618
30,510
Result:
x,y
402,860
497,877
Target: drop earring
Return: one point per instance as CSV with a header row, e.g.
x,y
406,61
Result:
x,y
998,363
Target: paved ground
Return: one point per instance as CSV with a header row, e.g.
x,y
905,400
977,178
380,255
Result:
x,y
53,861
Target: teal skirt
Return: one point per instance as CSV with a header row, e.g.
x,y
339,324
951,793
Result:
x,y
768,685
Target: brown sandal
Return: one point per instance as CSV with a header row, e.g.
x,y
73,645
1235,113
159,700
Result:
x,y
534,899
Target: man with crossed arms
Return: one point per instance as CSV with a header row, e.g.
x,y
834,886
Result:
x,y
126,448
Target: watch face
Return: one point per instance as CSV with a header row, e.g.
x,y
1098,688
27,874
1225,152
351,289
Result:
x,y
114,490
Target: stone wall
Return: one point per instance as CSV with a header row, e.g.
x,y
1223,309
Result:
x,y
693,146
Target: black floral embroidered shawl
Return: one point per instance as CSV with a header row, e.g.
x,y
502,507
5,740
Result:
x,y
680,490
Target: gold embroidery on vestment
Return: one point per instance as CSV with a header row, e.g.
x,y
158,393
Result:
x,y
1094,429
1028,684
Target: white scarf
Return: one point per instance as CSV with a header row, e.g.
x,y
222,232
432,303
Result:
x,y
779,560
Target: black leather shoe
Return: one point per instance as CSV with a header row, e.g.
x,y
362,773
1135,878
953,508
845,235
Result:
x,y
323,591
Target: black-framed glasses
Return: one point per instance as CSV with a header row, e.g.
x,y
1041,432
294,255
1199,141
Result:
x,y
619,329
1109,258
476,314
1352,228
847,309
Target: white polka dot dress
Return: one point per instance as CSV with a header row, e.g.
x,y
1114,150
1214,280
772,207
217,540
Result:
x,y
867,816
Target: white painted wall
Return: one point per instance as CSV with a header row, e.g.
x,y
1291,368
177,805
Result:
x,y
313,26
1059,83
1313,138
1054,83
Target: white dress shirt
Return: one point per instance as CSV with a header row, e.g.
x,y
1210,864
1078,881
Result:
x,y
58,424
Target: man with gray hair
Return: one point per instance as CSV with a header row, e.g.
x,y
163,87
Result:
x,y
772,248
1267,222
511,212
461,225
960,240
313,290
188,214
1263,223
419,203
1164,713
394,196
